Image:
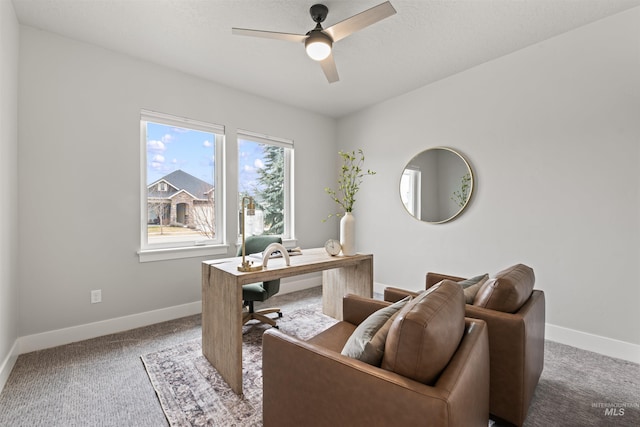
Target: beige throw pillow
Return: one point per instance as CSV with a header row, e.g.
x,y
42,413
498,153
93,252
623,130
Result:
x,y
365,343
472,286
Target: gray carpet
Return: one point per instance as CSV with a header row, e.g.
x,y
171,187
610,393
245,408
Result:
x,y
582,389
102,382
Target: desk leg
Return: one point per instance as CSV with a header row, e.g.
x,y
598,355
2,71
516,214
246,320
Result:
x,y
336,283
222,325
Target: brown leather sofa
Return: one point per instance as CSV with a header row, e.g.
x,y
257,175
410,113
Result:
x,y
515,316
311,383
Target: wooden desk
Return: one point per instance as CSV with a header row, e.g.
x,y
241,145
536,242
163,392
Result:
x,y
222,299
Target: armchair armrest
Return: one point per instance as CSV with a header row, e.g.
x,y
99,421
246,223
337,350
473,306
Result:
x,y
356,308
433,278
305,384
392,294
515,335
516,343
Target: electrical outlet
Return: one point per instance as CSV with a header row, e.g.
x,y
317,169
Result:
x,y
96,296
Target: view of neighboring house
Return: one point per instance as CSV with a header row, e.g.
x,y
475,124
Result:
x,y
179,199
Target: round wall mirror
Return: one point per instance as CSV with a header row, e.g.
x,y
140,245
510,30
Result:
x,y
436,185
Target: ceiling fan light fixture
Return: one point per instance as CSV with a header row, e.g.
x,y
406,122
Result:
x,y
318,46
319,42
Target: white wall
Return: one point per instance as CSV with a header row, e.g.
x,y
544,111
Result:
x,y
552,133
79,178
9,40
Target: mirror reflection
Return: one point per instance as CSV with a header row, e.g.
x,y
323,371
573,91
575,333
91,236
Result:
x,y
436,185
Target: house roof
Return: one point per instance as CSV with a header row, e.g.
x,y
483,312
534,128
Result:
x,y
178,181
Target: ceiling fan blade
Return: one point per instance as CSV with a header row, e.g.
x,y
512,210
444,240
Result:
x,y
362,20
329,68
269,34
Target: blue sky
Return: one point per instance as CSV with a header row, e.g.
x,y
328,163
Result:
x,y
170,148
250,160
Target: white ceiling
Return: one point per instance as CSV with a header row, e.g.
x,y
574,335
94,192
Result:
x,y
425,41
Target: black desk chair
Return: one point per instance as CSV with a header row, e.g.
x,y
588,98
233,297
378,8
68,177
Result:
x,y
259,291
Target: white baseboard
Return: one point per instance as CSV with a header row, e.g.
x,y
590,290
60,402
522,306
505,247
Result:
x,y
378,288
105,327
299,283
596,343
63,336
7,364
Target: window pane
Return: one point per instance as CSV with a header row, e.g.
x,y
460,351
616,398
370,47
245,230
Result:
x,y
180,185
262,176
410,191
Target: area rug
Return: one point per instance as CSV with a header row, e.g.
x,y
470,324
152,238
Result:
x,y
577,387
192,393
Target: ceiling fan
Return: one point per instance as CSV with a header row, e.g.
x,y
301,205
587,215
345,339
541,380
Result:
x,y
318,41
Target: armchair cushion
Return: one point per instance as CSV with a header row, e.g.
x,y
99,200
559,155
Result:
x,y
367,341
426,333
510,289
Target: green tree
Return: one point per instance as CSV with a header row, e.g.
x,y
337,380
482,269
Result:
x,y
270,190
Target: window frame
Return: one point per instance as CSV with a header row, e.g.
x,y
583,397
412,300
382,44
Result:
x,y
288,236
188,247
414,185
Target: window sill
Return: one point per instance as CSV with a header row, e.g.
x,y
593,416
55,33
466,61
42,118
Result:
x,y
150,255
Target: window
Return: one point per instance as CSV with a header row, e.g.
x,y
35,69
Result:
x,y
265,173
410,191
182,191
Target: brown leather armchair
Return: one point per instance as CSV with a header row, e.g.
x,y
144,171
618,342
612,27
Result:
x,y
311,383
516,345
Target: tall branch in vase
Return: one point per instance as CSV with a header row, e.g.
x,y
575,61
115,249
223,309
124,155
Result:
x,y
349,180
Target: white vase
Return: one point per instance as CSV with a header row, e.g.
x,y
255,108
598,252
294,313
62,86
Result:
x,y
348,234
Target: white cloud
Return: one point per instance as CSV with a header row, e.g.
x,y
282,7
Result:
x,y
158,158
258,164
156,146
207,144
248,168
167,138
